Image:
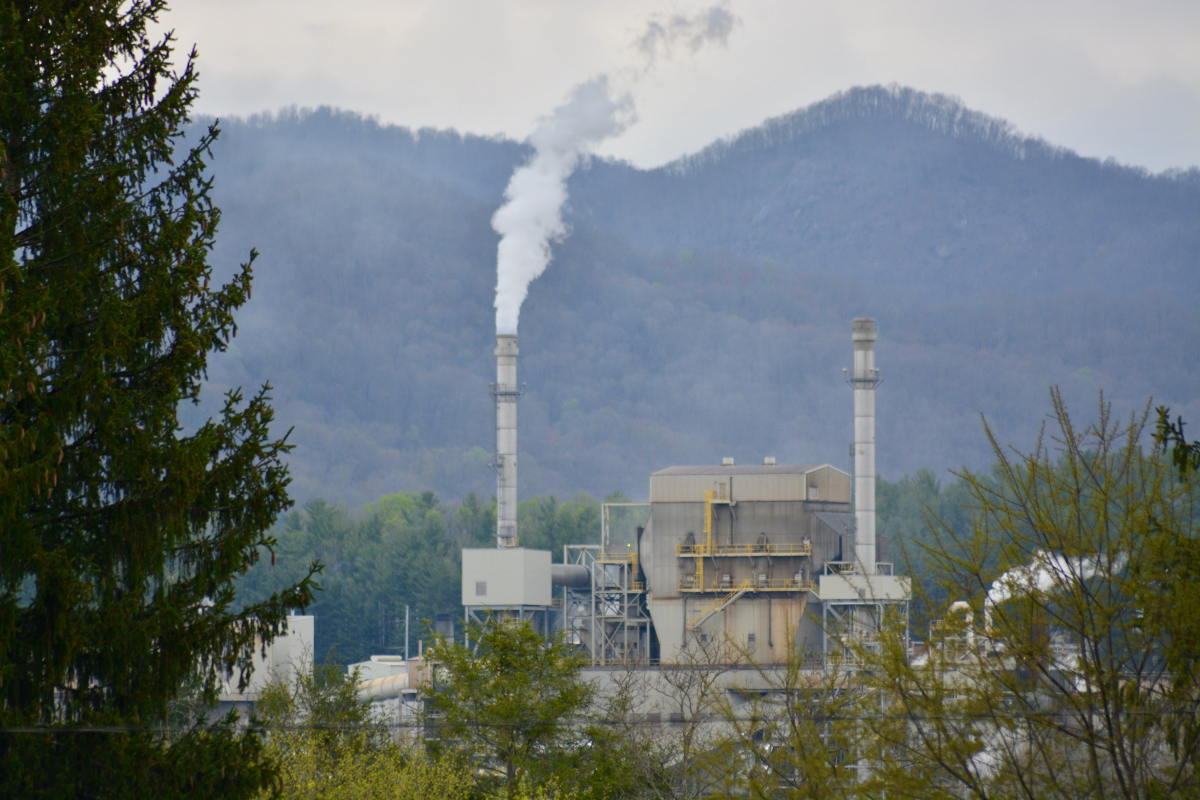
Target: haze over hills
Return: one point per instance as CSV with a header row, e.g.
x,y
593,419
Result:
x,y
701,309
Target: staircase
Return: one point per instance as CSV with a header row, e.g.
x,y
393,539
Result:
x,y
720,604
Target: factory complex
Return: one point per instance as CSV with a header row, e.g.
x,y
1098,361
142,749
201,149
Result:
x,y
743,567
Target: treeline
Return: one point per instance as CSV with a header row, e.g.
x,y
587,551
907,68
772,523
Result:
x,y
406,550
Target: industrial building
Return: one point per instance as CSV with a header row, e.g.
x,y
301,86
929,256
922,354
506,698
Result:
x,y
764,558
751,563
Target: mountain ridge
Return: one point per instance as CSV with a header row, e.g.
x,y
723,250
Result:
x,y
697,314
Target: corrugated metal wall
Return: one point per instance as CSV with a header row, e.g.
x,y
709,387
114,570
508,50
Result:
x,y
830,485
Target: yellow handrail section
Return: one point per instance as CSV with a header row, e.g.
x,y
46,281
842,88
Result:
x,y
630,559
782,585
708,501
718,604
723,550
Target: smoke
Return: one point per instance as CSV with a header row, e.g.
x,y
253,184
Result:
x,y
531,217
1050,572
663,35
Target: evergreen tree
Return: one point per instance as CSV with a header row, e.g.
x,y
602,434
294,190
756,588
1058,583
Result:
x,y
120,534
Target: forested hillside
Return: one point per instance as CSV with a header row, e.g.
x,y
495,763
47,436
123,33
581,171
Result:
x,y
703,309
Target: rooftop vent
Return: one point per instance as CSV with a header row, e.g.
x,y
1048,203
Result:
x,y
726,462
769,461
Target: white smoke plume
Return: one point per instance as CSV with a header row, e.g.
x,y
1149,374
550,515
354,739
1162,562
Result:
x,y
1050,572
531,217
664,33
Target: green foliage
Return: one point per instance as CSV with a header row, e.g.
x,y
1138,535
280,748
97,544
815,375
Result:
x,y
806,739
506,701
394,552
404,549
908,510
328,746
1185,455
623,522
546,524
1074,674
121,535
475,522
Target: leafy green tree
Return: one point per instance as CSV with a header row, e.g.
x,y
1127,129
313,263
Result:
x,y
547,524
475,522
1185,455
1071,671
120,534
507,700
389,554
329,745
908,509
804,737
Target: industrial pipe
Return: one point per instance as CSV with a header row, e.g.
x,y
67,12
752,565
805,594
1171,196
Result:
x,y
383,688
569,575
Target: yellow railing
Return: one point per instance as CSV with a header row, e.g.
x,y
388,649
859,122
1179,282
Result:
x,y
731,593
723,550
630,559
785,585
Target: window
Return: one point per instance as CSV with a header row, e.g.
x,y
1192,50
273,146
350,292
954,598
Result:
x,y
481,588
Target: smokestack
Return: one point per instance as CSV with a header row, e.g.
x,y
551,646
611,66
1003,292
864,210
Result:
x,y
864,381
506,392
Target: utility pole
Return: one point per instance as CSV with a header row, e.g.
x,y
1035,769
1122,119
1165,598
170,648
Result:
x,y
406,633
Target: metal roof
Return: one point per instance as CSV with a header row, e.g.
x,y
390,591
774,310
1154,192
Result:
x,y
840,521
754,469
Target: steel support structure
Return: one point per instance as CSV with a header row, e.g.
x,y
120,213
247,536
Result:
x,y
482,617
608,618
850,628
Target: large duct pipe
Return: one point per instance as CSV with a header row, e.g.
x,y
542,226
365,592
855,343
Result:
x,y
507,393
383,688
573,575
865,378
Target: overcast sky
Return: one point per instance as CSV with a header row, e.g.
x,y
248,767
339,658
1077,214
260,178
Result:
x,y
1105,78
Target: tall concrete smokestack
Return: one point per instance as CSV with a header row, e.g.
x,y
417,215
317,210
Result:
x,y
506,392
865,378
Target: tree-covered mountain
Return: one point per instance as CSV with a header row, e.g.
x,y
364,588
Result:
x,y
701,309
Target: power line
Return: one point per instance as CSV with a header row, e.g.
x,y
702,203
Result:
x,y
579,723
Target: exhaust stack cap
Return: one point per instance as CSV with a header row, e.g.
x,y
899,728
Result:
x,y
726,462
769,461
